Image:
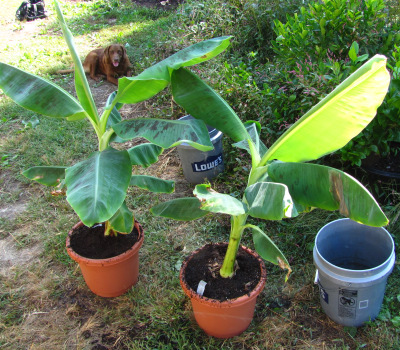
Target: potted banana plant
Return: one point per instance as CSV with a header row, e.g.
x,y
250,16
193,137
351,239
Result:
x,y
281,183
96,188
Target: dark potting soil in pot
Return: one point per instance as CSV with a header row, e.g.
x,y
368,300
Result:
x,y
90,242
205,265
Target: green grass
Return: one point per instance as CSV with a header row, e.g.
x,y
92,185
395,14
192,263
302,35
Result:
x,y
44,302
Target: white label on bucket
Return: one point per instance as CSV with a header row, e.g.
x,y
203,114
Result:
x,y
210,163
347,303
363,304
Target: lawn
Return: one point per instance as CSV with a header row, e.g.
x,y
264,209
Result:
x,y
44,301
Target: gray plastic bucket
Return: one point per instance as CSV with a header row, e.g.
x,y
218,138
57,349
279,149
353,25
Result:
x,y
353,263
198,165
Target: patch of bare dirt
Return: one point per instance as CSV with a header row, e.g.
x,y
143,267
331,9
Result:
x,y
12,210
11,256
11,188
14,32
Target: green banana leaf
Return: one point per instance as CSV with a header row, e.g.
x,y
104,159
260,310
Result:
x,y
145,154
269,201
38,95
268,250
189,56
258,174
182,209
259,147
217,202
96,187
336,119
152,184
122,220
115,116
81,84
166,133
202,102
136,90
46,175
155,78
323,187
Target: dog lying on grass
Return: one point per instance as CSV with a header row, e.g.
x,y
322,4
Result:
x,y
111,62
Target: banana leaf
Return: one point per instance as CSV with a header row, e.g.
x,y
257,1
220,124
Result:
x,y
96,187
318,186
144,154
336,119
182,209
259,149
268,250
81,84
46,175
202,102
155,78
39,95
122,221
269,201
217,202
166,133
152,184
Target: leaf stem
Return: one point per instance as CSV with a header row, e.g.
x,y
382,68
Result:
x,y
237,226
106,114
105,139
108,230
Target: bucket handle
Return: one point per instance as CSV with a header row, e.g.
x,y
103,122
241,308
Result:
x,y
316,278
317,282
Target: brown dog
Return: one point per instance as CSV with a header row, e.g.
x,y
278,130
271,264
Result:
x,y
111,62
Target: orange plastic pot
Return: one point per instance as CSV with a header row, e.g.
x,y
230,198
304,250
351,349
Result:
x,y
109,277
228,318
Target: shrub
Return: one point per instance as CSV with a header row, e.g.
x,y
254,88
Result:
x,y
275,74
318,48
330,27
207,19
237,84
255,19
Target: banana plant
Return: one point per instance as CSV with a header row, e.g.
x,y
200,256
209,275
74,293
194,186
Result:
x,y
281,182
96,187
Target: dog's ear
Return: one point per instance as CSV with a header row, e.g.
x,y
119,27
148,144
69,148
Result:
x,y
107,51
124,54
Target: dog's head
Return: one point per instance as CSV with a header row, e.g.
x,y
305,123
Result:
x,y
116,54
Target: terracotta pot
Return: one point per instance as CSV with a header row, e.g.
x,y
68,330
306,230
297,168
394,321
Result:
x,y
223,319
110,277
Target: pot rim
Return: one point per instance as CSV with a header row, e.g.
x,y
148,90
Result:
x,y
106,261
226,303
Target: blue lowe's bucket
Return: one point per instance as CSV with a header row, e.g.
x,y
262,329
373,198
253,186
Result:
x,y
353,263
198,165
